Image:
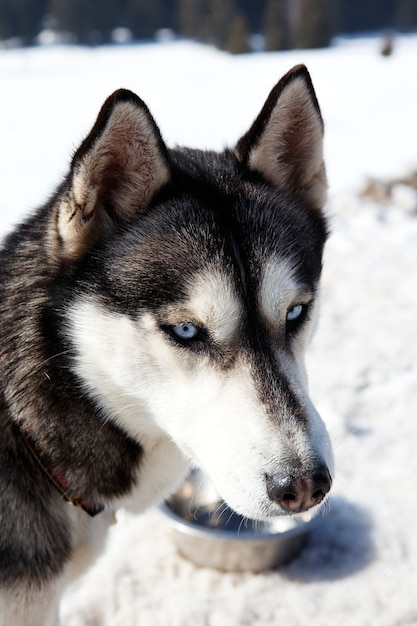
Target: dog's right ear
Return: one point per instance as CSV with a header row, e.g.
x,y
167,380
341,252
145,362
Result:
x,y
285,143
114,174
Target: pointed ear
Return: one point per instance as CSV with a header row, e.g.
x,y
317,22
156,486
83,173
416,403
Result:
x,y
285,143
114,174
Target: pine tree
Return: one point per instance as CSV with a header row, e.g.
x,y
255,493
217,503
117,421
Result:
x,y
144,17
90,22
190,14
254,11
21,18
312,28
276,25
218,22
406,14
361,15
238,42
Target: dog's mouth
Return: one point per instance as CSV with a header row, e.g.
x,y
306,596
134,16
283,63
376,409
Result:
x,y
300,497
281,494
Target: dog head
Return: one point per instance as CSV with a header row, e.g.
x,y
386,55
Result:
x,y
197,284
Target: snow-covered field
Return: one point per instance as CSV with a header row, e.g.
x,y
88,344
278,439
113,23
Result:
x,y
360,568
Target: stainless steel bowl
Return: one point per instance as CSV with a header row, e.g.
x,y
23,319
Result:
x,y
210,534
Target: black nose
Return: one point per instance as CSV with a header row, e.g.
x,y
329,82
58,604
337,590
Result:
x,y
296,493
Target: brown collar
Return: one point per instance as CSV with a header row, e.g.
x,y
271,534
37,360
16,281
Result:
x,y
60,483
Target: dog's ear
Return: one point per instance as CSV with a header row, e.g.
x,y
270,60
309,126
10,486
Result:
x,y
285,143
115,173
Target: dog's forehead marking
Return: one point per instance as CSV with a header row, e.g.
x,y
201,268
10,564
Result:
x,y
279,289
213,299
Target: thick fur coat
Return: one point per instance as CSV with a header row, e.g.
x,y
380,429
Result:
x,y
154,314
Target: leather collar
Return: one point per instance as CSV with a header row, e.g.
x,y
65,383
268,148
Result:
x,y
59,482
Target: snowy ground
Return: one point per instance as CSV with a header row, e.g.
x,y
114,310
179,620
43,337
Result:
x,y
360,568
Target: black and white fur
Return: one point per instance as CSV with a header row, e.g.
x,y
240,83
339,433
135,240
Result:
x,y
154,314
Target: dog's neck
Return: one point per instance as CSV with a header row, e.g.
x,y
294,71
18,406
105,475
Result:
x,y
58,481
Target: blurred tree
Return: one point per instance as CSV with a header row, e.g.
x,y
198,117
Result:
x,y
6,20
238,42
361,15
216,21
189,15
144,17
277,25
21,18
91,22
254,11
217,24
406,14
208,20
312,29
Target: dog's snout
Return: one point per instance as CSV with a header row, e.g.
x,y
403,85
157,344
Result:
x,y
298,493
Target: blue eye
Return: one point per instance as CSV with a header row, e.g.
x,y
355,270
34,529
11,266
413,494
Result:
x,y
185,332
295,312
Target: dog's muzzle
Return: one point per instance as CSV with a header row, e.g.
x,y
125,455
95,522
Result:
x,y
296,493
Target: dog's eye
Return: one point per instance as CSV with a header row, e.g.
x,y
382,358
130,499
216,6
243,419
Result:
x,y
296,315
295,312
185,332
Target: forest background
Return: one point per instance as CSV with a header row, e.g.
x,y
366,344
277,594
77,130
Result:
x,y
237,26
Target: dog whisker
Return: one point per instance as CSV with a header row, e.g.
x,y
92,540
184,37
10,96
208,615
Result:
x,y
51,358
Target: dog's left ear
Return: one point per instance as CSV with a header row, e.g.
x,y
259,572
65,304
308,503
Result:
x,y
114,174
285,143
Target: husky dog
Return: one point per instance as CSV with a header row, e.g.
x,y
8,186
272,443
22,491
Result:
x,y
154,315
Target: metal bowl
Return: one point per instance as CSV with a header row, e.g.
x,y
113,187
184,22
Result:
x,y
209,533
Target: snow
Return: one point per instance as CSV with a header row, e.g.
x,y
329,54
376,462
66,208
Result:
x,y
360,567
